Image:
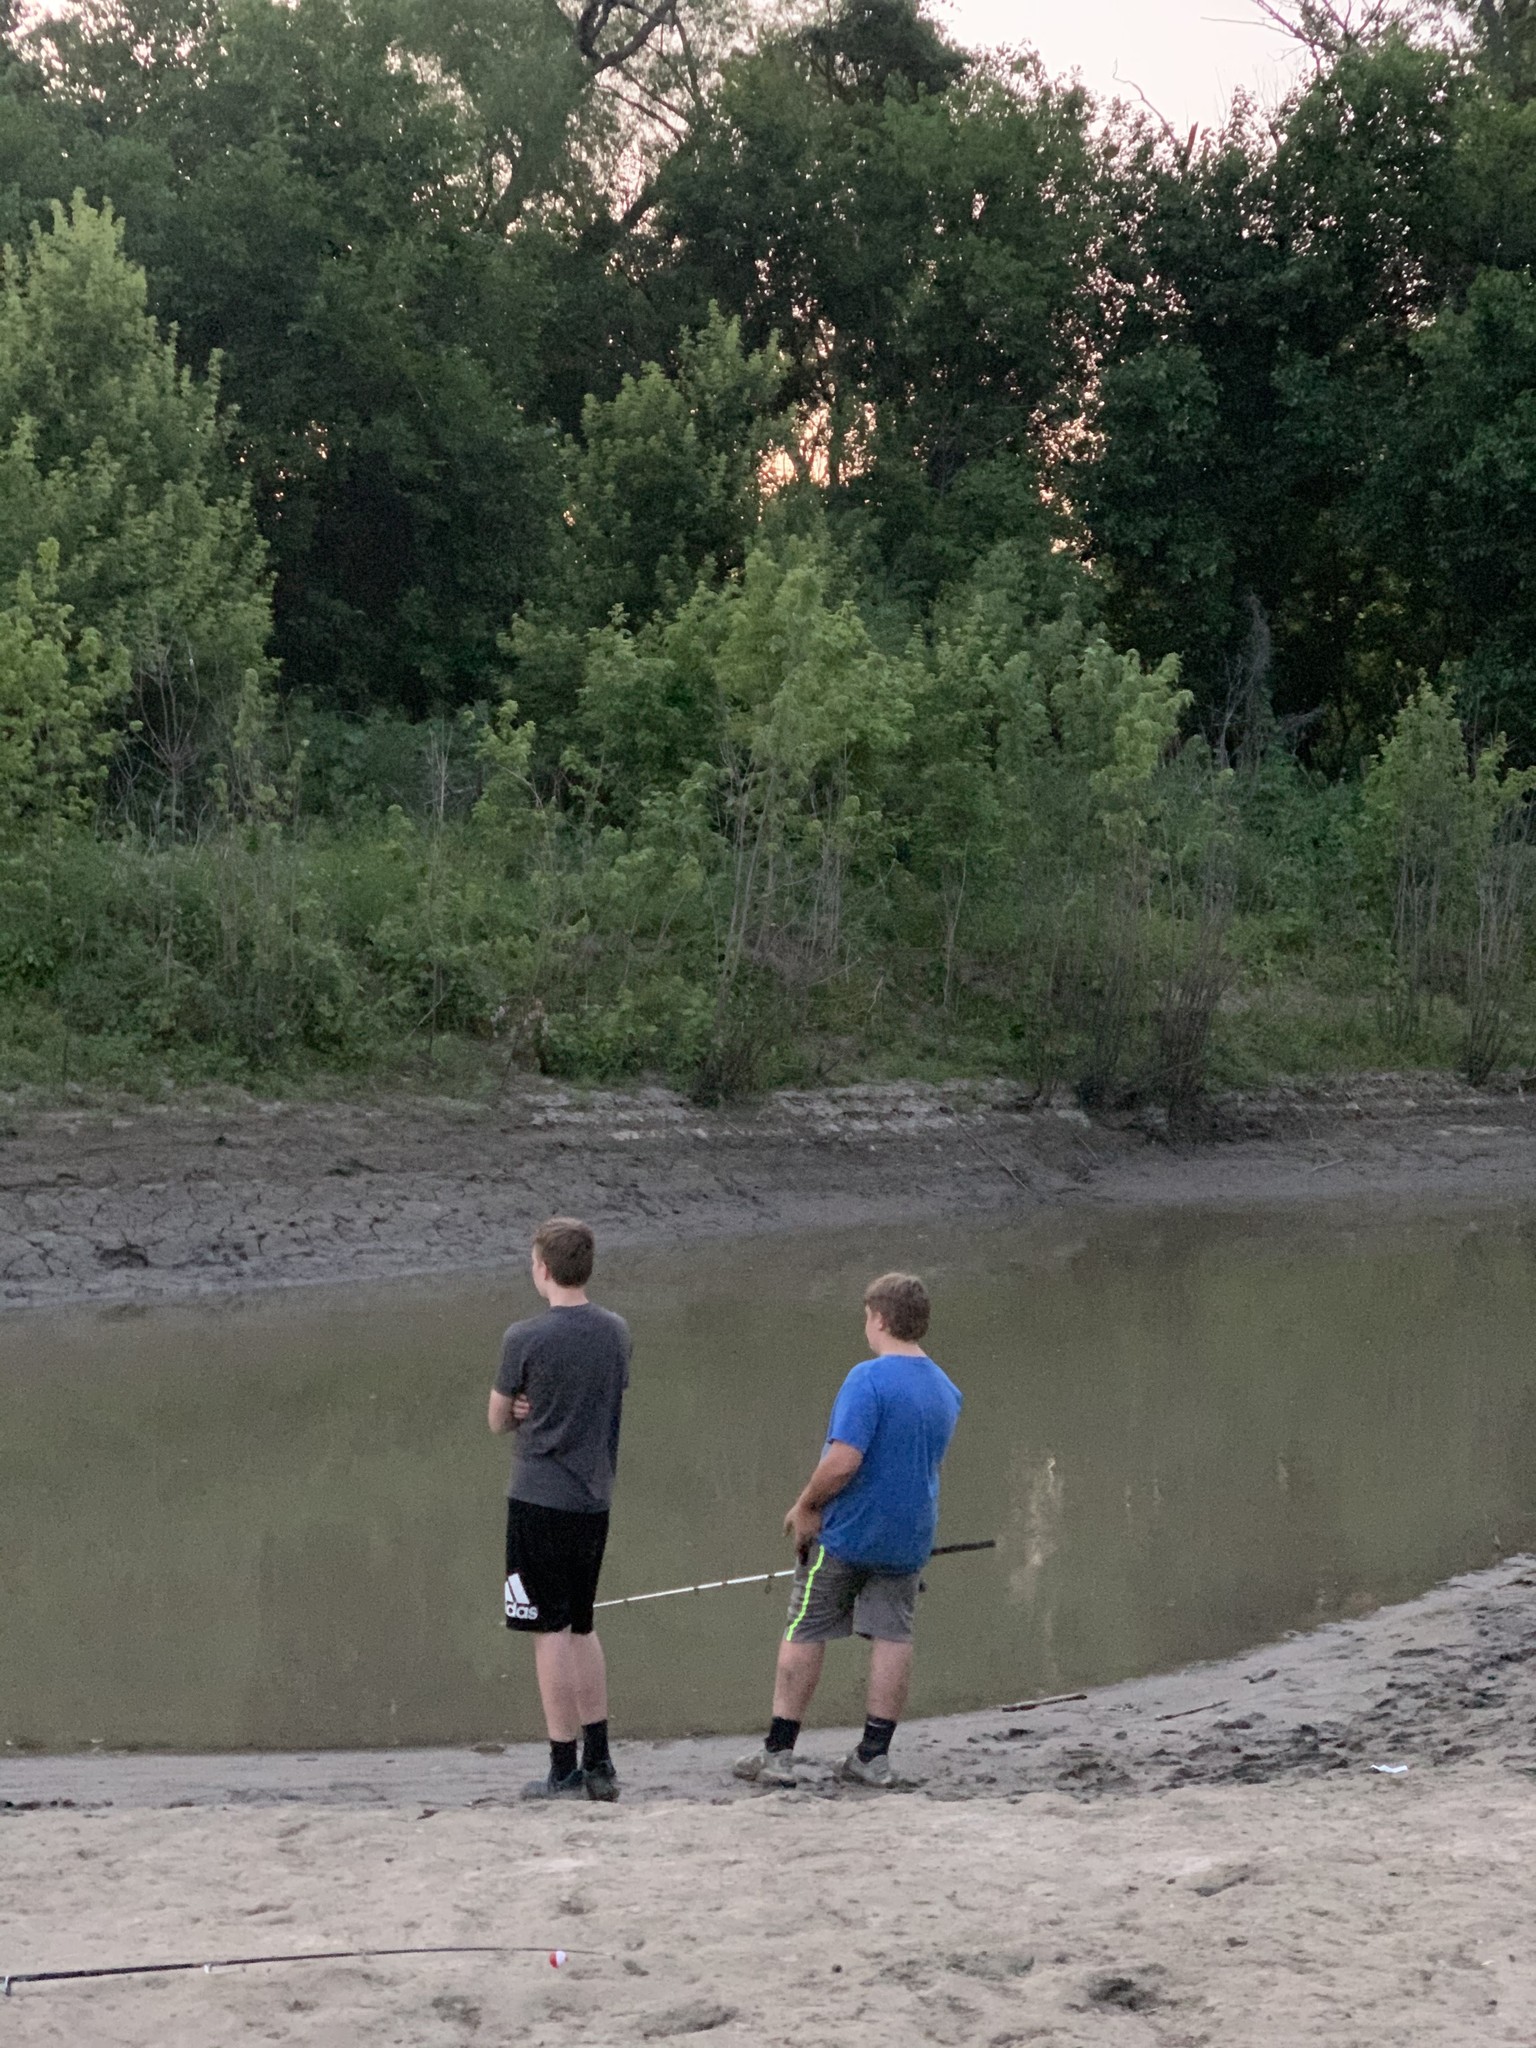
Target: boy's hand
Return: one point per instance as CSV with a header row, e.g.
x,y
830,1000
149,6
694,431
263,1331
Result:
x,y
839,1462
522,1407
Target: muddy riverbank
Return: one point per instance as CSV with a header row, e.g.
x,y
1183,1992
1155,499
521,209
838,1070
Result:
x,y
135,1203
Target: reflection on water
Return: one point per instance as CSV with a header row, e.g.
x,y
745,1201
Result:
x,y
276,1522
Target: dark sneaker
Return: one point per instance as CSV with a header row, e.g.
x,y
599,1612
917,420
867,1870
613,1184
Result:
x,y
767,1767
875,1770
573,1787
602,1781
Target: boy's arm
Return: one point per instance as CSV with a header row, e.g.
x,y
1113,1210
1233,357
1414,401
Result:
x,y
839,1462
505,1412
509,1403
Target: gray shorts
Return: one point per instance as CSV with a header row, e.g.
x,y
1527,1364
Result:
x,y
833,1599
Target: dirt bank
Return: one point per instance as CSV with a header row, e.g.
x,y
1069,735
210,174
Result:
x,y
149,1203
1205,1858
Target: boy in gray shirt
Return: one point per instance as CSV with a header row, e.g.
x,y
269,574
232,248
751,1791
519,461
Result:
x,y
560,1388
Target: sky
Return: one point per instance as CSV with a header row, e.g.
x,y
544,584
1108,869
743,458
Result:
x,y
1186,55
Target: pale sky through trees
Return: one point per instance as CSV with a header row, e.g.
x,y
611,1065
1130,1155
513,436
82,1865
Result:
x,y
1187,56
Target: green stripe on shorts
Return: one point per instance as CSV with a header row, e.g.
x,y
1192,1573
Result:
x,y
810,1580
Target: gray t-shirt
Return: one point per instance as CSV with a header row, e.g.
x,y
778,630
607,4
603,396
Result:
x,y
573,1364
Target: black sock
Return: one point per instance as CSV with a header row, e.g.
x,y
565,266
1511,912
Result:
x,y
594,1744
877,1738
781,1734
562,1759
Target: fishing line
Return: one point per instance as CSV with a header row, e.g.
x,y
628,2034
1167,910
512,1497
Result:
x,y
315,1955
766,1578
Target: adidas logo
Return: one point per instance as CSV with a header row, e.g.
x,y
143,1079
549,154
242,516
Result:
x,y
519,1606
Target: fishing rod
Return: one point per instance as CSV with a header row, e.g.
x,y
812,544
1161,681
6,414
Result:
x,y
316,1955
766,1578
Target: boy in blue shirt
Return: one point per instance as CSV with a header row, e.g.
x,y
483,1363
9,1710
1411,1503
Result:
x,y
863,1528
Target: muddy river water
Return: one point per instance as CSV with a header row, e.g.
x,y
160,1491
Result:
x,y
275,1521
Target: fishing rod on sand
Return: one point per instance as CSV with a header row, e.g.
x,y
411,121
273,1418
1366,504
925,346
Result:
x,y
767,1578
556,1958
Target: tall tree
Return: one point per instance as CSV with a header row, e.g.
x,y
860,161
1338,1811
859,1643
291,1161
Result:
x,y
356,202
1273,284
914,228
115,475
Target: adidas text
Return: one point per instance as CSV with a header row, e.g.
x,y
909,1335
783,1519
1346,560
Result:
x,y
519,1607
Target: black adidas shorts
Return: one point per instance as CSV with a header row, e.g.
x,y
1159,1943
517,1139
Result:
x,y
554,1556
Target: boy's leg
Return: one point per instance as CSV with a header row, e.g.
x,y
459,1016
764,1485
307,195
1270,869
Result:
x,y
589,1677
795,1679
573,1686
589,1669
885,1614
890,1677
557,1694
553,1558
558,1684
820,1611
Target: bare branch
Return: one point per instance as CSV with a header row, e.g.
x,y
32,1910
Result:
x,y
1157,114
1184,146
597,14
1326,28
650,106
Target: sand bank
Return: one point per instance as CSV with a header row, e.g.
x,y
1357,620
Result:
x,y
1207,1857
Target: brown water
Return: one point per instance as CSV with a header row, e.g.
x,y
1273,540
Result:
x,y
276,1521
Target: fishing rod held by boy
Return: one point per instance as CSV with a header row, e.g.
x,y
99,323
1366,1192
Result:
x,y
767,1578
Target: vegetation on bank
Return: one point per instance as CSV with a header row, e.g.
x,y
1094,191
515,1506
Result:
x,y
794,552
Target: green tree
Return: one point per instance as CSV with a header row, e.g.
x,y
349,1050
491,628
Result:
x,y
393,218
1451,507
1029,692
668,477
915,229
765,788
58,690
29,135
809,710
316,199
1272,284
665,487
115,454
1433,817
1503,33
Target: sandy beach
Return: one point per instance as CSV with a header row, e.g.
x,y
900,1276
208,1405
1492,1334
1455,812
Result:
x,y
1359,1911
1212,1856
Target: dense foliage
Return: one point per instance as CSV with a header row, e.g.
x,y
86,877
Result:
x,y
750,542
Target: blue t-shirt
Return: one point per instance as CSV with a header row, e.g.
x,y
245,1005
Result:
x,y
901,1413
